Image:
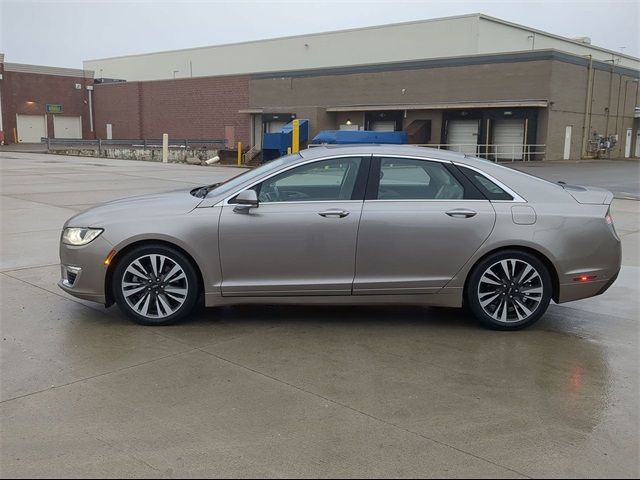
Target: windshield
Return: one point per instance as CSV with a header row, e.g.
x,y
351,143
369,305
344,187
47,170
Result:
x,y
257,172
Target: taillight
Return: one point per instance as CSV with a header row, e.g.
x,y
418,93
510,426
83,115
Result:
x,y
608,218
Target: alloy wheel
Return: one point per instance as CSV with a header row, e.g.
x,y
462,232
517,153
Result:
x,y
154,286
510,290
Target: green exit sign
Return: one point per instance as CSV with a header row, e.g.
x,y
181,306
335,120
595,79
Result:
x,y
53,108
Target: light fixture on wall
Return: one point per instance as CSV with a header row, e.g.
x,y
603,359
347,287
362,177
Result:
x,y
348,121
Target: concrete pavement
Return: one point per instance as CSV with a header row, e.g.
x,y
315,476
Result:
x,y
295,391
622,177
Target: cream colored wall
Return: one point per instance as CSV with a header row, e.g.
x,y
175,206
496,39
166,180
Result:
x,y
391,43
428,39
495,37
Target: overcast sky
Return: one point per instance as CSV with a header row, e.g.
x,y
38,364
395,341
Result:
x,y
58,33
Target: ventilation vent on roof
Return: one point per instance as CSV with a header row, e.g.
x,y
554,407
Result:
x,y
586,40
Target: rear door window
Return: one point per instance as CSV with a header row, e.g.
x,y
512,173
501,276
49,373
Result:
x,y
414,179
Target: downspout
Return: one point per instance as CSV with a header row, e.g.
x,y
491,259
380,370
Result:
x,y
618,102
586,125
1,128
91,132
606,124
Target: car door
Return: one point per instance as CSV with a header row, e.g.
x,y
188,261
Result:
x,y
421,221
301,239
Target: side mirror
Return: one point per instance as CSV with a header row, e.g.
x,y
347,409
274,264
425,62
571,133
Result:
x,y
245,201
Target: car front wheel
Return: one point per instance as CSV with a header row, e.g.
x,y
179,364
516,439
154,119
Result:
x,y
509,290
155,285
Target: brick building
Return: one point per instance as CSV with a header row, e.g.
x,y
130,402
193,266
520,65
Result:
x,y
205,108
471,83
39,102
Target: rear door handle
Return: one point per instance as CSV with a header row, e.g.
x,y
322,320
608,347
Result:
x,y
461,213
333,212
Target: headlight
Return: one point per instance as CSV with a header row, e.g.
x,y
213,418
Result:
x,y
80,236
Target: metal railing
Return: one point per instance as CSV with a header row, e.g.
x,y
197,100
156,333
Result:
x,y
137,143
495,152
510,152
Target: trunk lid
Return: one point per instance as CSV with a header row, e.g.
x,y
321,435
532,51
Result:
x,y
588,195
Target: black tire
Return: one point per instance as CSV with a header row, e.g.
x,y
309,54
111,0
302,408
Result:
x,y
165,307
514,298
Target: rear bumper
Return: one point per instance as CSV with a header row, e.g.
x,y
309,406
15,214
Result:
x,y
578,291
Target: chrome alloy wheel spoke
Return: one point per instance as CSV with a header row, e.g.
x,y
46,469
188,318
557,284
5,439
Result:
x,y
154,286
510,290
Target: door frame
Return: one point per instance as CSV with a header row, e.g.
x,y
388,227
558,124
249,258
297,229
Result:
x,y
357,198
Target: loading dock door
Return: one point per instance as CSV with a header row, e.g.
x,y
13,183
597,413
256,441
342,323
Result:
x,y
67,126
31,128
383,126
274,126
508,137
462,136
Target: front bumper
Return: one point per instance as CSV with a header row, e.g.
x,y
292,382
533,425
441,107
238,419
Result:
x,y
83,271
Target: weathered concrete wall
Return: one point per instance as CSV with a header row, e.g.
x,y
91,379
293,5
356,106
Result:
x,y
176,155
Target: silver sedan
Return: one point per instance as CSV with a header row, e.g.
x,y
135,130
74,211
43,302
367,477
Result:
x,y
349,225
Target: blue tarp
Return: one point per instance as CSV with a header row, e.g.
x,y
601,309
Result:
x,y
359,136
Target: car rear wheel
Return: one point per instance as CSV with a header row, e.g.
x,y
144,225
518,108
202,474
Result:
x,y
509,290
155,285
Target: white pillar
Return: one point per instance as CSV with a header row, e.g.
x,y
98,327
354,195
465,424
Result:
x,y
567,142
165,147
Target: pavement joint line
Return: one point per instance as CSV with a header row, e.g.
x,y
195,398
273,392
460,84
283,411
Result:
x,y
125,452
360,412
154,331
98,375
32,267
13,197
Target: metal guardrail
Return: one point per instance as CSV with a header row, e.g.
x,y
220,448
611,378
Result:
x,y
512,152
144,143
494,152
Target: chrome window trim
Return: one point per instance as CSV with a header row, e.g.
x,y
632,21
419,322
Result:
x,y
420,200
225,201
516,198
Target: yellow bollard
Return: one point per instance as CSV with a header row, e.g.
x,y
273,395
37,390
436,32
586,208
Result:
x,y
239,153
288,150
295,137
15,135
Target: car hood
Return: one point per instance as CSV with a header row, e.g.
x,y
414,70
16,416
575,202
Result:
x,y
161,204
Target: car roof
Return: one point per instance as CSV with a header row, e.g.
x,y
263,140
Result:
x,y
375,149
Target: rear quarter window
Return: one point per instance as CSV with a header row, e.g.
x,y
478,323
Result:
x,y
488,188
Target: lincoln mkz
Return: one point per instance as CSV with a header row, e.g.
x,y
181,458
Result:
x,y
349,225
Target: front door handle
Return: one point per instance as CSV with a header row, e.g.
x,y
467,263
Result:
x,y
461,213
334,212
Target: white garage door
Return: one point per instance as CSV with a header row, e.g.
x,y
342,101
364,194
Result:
x,y
508,136
274,127
462,136
383,126
31,128
67,126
